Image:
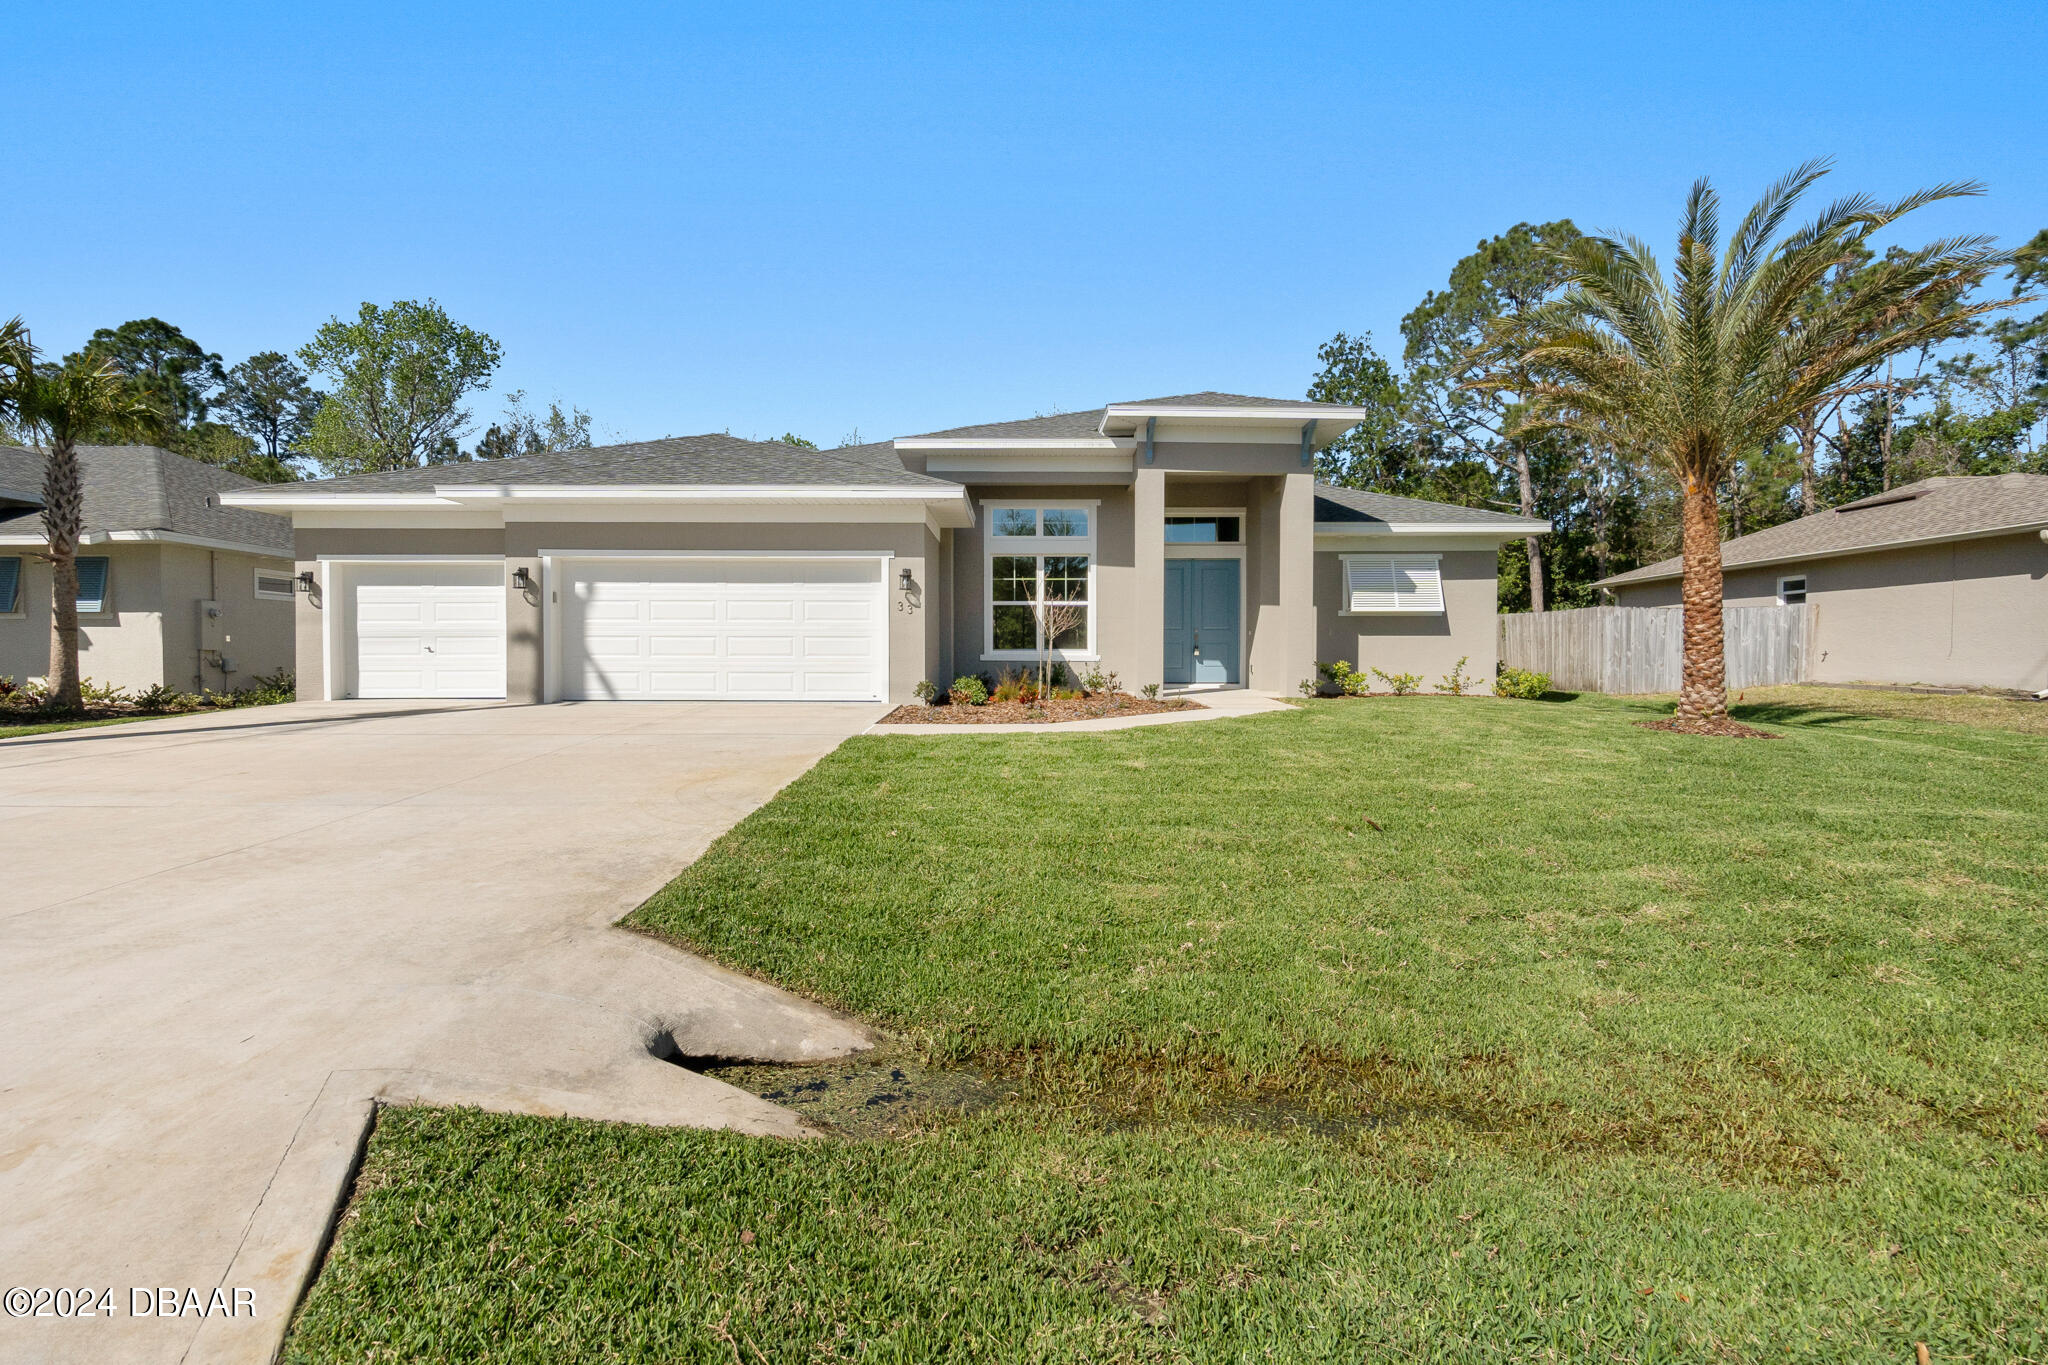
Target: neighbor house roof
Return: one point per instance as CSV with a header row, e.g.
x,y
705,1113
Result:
x,y
142,493
1089,421
1344,509
1937,509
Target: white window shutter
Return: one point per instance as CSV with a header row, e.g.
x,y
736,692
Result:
x,y
1394,583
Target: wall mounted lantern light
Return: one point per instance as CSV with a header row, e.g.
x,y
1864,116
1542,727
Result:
x,y
522,580
304,582
904,579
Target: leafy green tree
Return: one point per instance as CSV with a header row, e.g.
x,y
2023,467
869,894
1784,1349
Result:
x,y
525,433
267,398
62,406
1381,451
1467,357
399,375
1709,366
161,365
790,438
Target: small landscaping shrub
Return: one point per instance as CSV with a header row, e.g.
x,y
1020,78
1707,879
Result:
x,y
160,698
1455,682
92,694
1151,691
1310,687
1357,684
1401,684
1009,686
1520,683
968,690
1097,679
925,691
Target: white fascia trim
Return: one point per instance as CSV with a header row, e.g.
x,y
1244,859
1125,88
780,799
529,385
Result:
x,y
1290,416
1991,533
708,493
292,502
1015,444
716,554
1508,531
159,538
411,559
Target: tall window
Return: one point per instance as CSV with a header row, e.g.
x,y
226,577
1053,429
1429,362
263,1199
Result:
x,y
1039,557
10,585
92,585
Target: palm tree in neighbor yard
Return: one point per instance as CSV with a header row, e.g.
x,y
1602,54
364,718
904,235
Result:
x,y
59,405
1709,366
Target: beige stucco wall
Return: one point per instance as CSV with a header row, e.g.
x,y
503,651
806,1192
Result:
x,y
1968,613
149,635
1429,645
914,639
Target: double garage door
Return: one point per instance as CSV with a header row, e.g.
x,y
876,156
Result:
x,y
632,630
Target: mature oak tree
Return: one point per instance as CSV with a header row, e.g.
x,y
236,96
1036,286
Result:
x,y
399,376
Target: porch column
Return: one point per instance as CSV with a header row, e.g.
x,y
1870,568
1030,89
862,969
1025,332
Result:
x,y
1282,596
1147,651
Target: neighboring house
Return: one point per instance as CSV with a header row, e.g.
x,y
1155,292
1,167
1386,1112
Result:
x,y
1943,581
173,587
1189,531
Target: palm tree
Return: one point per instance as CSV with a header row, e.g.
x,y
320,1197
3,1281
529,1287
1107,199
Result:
x,y
1710,366
58,404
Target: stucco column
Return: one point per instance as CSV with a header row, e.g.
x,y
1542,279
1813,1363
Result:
x,y
524,659
1297,578
1147,648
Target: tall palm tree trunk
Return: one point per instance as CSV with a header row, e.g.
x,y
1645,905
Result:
x,y
1703,681
63,524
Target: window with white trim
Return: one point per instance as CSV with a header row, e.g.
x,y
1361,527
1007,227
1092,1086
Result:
x,y
1791,591
1387,584
1040,566
10,585
273,585
92,585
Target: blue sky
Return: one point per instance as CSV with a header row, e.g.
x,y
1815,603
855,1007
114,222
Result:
x,y
897,218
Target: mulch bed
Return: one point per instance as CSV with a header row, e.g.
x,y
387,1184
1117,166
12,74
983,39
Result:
x,y
1096,707
1726,729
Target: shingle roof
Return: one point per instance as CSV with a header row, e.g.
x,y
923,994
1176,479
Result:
x,y
1335,504
1088,422
1933,509
142,488
712,459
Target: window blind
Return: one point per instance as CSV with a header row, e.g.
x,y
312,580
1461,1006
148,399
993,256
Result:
x,y
10,583
92,583
1390,583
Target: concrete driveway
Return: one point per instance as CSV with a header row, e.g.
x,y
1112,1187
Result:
x,y
223,939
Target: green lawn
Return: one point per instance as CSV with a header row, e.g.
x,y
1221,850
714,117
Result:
x,y
1613,1043
51,727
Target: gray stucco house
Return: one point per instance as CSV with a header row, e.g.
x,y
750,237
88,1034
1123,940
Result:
x,y
1944,581
174,587
1189,532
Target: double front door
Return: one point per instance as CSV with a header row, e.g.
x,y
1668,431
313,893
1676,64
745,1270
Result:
x,y
1202,597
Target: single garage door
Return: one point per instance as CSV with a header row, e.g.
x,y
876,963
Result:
x,y
429,630
690,629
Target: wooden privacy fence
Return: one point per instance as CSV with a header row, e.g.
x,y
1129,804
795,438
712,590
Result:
x,y
1636,649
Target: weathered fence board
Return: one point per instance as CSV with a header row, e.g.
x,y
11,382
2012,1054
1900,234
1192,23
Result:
x,y
1636,649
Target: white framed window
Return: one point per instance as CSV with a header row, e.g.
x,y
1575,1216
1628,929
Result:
x,y
1376,585
1791,591
1205,527
1038,556
10,585
94,589
273,585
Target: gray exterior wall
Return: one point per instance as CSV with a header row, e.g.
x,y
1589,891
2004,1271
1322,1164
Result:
x,y
151,632
914,636
1968,613
1429,645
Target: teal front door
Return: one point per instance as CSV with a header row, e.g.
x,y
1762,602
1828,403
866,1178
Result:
x,y
1201,620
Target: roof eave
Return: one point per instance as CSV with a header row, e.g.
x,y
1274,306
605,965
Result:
x,y
1631,579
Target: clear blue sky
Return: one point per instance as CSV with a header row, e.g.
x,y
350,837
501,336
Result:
x,y
898,218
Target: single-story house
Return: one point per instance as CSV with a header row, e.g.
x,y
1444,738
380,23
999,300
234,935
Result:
x,y
1944,581
1187,534
173,586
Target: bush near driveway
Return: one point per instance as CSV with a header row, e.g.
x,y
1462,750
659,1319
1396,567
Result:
x,y
1611,1043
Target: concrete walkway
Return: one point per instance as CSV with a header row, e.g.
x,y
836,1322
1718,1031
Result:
x,y
1218,705
223,939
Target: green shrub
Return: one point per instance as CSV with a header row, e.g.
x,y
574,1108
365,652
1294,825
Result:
x,y
967,690
1310,687
1098,679
1337,670
1520,683
159,698
1455,682
1402,684
1357,684
925,691
92,694
1151,691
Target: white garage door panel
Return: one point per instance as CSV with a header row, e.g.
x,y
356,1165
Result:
x,y
703,629
428,630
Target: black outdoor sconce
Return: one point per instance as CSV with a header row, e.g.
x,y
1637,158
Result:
x,y
304,582
522,580
904,579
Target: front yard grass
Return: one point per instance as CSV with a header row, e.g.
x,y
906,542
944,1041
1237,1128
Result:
x,y
51,727
1607,1043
